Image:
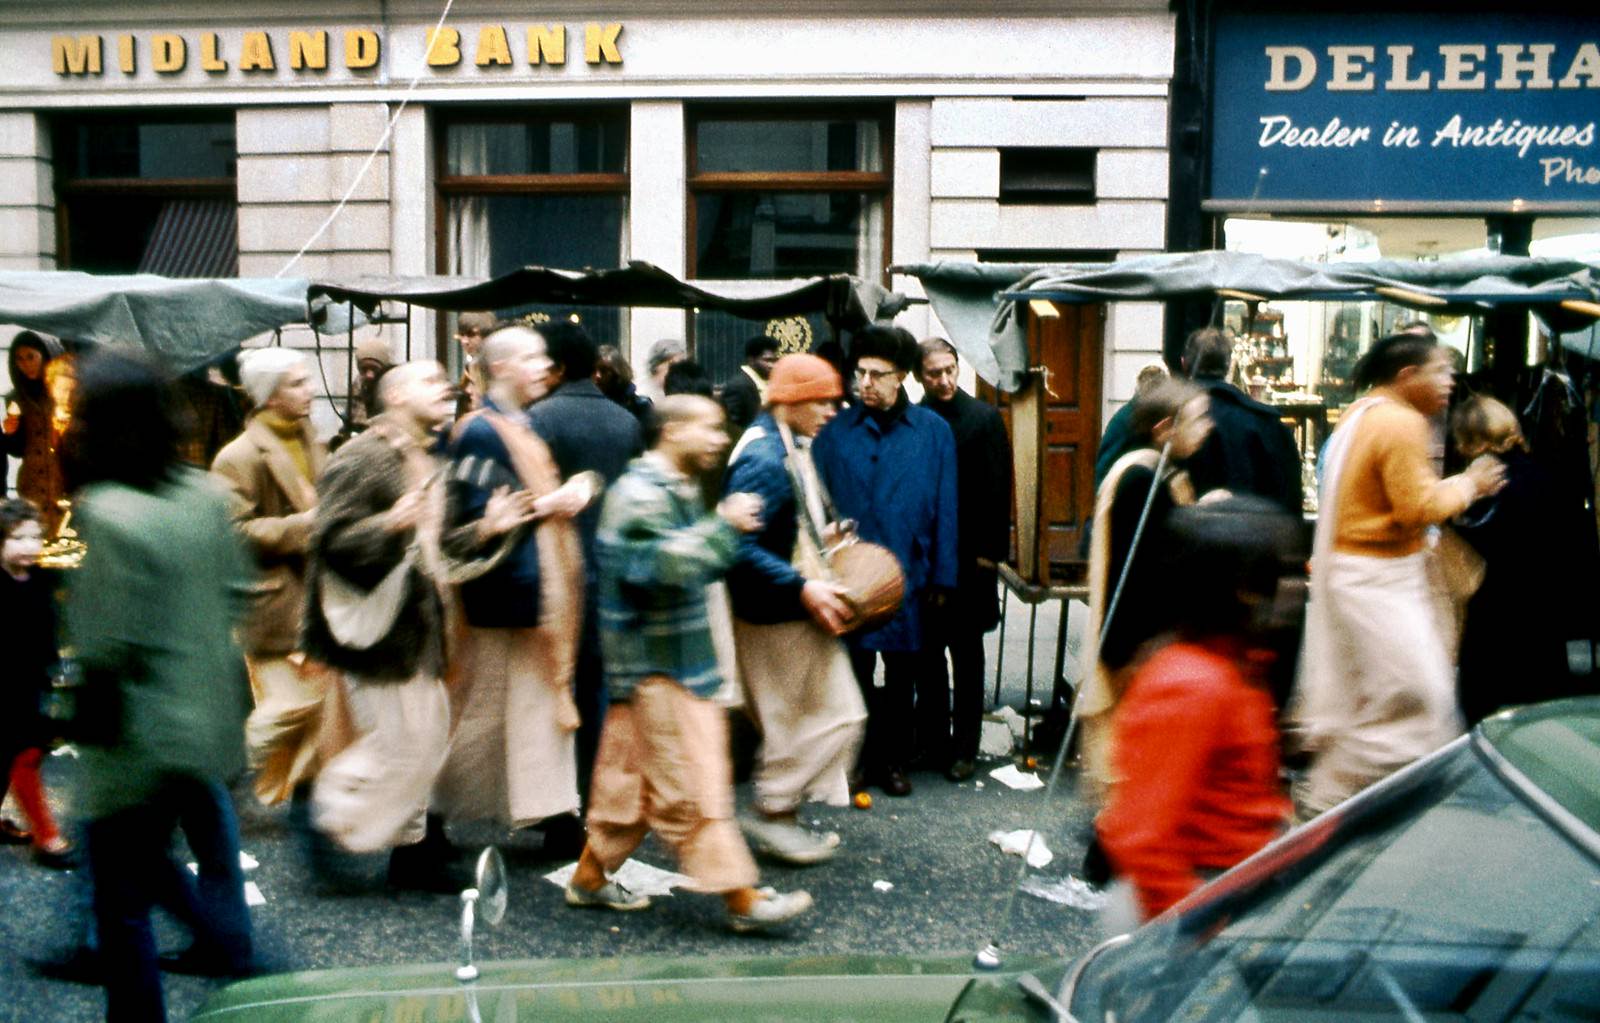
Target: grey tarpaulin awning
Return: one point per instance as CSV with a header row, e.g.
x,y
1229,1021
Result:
x,y
846,301
965,294
187,323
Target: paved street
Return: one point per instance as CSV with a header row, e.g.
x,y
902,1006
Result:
x,y
949,886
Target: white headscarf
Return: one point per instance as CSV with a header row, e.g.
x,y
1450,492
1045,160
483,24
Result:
x,y
262,369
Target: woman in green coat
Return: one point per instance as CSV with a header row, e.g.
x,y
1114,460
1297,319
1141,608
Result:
x,y
150,617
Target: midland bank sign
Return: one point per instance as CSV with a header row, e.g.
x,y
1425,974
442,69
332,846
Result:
x,y
297,52
1391,112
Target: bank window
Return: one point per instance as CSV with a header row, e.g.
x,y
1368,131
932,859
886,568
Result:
x,y
781,194
147,194
535,188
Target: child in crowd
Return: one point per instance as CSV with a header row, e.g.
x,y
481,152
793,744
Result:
x,y
27,606
1197,786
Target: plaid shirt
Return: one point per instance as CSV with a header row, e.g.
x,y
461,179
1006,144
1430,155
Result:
x,y
657,549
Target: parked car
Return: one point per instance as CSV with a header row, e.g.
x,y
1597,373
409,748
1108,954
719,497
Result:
x,y
1464,887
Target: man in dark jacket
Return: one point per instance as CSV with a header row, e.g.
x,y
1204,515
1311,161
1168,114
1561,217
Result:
x,y
586,432
743,396
983,538
1250,450
891,466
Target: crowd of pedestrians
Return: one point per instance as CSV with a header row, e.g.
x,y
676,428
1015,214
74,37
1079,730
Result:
x,y
533,595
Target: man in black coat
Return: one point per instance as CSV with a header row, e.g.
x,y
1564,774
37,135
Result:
x,y
586,432
983,534
1250,450
743,396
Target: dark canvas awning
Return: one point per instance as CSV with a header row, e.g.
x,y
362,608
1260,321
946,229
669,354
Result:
x,y
846,301
187,323
977,301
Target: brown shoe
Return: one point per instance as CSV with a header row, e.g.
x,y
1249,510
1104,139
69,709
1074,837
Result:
x,y
895,783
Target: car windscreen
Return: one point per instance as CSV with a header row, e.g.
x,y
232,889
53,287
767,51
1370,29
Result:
x,y
1447,898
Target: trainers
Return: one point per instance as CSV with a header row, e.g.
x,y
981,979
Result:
x,y
788,842
774,910
608,896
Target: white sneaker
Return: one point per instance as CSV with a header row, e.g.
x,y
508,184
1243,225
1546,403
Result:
x,y
608,896
788,842
773,910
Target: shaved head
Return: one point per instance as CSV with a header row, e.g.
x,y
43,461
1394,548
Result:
x,y
506,343
682,408
394,383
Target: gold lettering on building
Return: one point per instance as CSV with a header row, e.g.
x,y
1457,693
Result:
x,y
600,43
168,54
75,55
547,44
493,49
444,47
210,60
361,49
308,50
255,53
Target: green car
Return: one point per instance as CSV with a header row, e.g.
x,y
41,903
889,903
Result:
x,y
1466,887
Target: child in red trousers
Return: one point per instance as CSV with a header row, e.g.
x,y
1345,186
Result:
x,y
27,609
1196,786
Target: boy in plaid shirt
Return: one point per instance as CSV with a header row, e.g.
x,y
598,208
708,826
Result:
x,y
663,760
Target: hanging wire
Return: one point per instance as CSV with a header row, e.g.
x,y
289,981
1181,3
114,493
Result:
x,y
988,957
383,140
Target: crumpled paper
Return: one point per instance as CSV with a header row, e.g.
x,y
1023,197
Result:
x,y
1068,891
883,886
1015,843
1013,778
639,878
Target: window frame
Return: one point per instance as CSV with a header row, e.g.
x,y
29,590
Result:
x,y
69,187
451,186
875,184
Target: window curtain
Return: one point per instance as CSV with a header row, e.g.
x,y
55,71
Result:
x,y
469,214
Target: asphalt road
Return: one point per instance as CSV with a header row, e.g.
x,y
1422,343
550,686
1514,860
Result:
x,y
949,889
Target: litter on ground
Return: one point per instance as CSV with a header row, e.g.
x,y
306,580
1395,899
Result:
x,y
639,878
1068,891
1016,843
1020,780
883,886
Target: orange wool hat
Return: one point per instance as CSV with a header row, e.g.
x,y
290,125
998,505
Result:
x,y
802,377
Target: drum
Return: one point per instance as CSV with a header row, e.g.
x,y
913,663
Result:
x,y
870,576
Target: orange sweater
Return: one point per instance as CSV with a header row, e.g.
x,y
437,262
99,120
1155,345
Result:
x,y
1197,755
1388,492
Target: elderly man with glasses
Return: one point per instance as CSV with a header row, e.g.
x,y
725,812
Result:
x,y
891,466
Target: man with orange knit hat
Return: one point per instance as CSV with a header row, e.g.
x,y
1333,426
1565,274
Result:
x,y
787,621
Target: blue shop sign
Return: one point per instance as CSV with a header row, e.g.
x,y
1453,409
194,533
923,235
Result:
x,y
1397,112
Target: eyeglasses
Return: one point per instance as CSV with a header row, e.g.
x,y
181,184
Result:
x,y
872,376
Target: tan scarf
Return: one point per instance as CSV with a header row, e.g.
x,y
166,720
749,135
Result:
x,y
553,644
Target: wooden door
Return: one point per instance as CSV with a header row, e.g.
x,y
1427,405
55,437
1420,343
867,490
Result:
x,y
1055,430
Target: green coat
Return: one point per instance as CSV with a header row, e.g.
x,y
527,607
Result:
x,y
161,586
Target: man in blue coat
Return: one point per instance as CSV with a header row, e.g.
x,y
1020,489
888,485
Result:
x,y
891,466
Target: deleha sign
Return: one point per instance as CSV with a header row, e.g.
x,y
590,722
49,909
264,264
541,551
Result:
x,y
1405,112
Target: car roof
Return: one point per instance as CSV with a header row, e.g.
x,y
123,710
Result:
x,y
1556,746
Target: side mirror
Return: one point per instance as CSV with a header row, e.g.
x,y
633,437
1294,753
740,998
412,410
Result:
x,y
487,898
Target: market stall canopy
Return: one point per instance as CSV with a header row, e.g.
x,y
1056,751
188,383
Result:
x,y
846,301
977,301
187,323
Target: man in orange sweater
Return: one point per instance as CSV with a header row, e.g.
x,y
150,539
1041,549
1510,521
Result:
x,y
1377,687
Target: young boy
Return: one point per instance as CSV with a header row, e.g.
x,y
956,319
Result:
x,y
27,607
